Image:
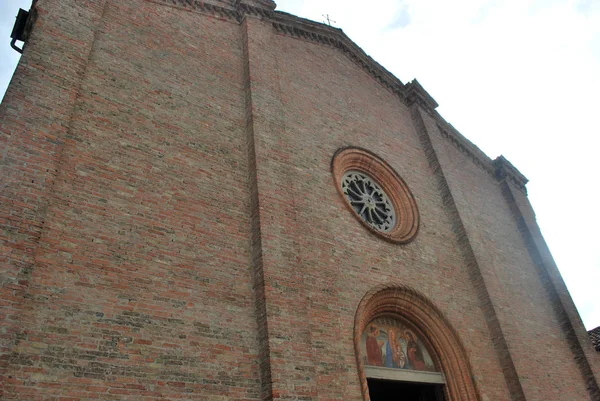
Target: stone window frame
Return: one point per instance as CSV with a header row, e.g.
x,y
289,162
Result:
x,y
402,199
409,305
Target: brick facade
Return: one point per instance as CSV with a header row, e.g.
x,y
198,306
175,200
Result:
x,y
595,337
173,230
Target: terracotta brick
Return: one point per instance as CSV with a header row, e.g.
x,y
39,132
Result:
x,y
172,227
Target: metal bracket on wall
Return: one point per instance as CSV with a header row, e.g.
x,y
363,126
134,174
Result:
x,y
18,32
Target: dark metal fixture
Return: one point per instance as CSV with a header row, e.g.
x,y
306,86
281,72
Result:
x,y
18,32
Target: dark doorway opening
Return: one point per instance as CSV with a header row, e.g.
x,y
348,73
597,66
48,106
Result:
x,y
389,390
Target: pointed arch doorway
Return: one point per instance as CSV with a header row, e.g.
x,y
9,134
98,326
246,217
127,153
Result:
x,y
406,349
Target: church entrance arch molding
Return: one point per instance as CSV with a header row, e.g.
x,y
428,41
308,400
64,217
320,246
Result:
x,y
399,308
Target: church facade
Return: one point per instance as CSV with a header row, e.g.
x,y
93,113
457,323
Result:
x,y
215,200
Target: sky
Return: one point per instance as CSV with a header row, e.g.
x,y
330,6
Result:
x,y
519,78
8,57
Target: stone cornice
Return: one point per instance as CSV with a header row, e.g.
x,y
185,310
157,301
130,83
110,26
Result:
x,y
221,9
504,170
233,9
265,5
261,8
415,93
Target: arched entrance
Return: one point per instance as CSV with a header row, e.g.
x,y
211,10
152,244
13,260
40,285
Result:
x,y
406,347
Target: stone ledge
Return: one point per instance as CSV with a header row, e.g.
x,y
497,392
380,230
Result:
x,y
505,170
414,376
415,93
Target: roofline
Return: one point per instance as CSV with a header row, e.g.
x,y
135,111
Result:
x,y
413,92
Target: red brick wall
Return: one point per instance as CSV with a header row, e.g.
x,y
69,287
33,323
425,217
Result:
x,y
321,261
34,119
183,237
523,306
141,284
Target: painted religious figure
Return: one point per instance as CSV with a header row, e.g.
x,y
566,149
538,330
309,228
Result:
x,y
392,344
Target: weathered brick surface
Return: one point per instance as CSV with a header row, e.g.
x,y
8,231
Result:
x,y
34,119
173,230
318,259
530,321
141,282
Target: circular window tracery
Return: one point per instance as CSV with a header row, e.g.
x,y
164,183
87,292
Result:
x,y
369,200
375,194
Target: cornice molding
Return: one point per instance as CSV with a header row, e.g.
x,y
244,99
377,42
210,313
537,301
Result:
x,y
221,9
265,5
415,93
232,10
259,8
504,170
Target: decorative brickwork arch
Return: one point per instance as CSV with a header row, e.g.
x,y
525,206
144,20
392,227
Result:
x,y
407,304
386,182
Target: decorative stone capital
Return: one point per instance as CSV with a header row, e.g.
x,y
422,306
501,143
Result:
x,y
268,4
505,170
415,93
257,7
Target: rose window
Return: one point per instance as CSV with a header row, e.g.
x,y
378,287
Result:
x,y
375,194
369,200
